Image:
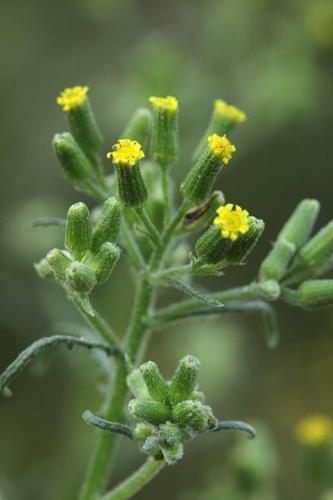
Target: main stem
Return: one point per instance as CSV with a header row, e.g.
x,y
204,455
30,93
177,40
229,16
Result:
x,y
106,446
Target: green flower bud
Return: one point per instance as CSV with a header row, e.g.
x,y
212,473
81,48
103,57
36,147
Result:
x,y
184,380
199,217
82,123
44,269
73,161
211,247
80,277
164,142
59,262
223,120
299,226
153,412
125,156
314,294
157,386
142,432
78,230
198,184
108,225
139,126
275,265
194,414
170,433
173,453
316,252
243,246
137,384
104,261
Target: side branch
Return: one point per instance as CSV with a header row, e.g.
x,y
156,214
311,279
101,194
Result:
x,y
45,344
106,425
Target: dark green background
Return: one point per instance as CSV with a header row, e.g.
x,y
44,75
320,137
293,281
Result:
x,y
272,59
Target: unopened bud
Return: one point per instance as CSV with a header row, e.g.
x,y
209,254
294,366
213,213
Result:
x,y
199,217
173,453
80,277
44,269
316,293
78,230
139,126
153,412
184,380
72,159
104,261
157,386
108,225
211,247
298,227
243,246
59,262
277,261
194,414
137,384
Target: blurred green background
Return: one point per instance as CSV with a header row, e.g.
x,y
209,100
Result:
x,y
272,59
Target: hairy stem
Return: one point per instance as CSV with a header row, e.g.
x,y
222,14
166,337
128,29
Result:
x,y
136,481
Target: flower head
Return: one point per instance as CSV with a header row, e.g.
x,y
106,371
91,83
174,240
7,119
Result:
x,y
72,97
231,112
314,430
168,103
221,147
126,153
232,220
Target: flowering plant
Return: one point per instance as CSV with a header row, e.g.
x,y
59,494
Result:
x,y
136,220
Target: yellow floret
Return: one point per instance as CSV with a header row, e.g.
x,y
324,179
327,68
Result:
x,y
72,97
232,221
126,153
231,112
168,103
221,147
314,430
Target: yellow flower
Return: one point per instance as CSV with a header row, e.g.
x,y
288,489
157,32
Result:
x,y
72,97
314,430
231,112
168,103
221,147
232,220
126,153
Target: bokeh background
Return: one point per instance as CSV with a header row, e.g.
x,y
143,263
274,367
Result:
x,y
272,59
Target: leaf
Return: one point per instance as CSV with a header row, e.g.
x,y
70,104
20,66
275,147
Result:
x,y
189,290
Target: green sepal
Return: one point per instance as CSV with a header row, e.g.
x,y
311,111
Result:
x,y
242,247
72,159
184,380
200,216
164,140
59,262
299,226
170,433
108,224
153,412
44,269
315,294
132,190
104,261
275,265
137,384
199,182
143,431
80,277
78,230
139,126
157,386
83,126
211,247
194,414
172,453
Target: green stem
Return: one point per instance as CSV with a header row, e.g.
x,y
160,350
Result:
x,y
145,220
131,247
107,443
166,191
136,481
